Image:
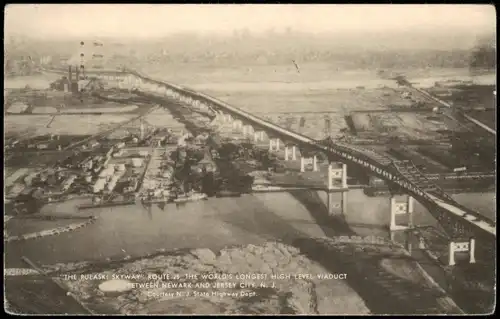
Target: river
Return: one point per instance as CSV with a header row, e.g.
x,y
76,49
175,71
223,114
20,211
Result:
x,y
214,223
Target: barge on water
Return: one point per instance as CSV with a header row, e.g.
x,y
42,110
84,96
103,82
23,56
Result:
x,y
190,198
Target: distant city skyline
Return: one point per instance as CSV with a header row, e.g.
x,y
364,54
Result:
x,y
152,21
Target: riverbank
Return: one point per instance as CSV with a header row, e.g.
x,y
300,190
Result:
x,y
272,278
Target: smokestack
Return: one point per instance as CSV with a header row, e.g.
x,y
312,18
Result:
x,y
77,75
70,75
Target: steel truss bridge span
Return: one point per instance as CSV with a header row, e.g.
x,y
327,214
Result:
x,y
457,220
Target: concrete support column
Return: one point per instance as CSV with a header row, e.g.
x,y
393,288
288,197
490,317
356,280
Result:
x,y
404,208
258,136
247,130
334,206
304,161
337,174
462,246
303,164
402,237
451,254
237,124
220,117
287,153
408,243
274,144
294,153
472,251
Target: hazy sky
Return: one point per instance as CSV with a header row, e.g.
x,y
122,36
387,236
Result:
x,y
135,20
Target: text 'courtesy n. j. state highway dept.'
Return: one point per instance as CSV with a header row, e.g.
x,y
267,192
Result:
x,y
205,285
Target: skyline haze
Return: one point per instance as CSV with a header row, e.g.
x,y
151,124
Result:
x,y
153,21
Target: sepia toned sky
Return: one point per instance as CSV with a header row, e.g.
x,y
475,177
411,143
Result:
x,y
143,20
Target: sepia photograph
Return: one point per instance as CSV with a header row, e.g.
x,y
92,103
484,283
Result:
x,y
249,159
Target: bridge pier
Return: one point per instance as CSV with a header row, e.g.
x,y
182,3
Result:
x,y
456,246
274,144
287,153
237,124
401,208
304,161
334,175
258,136
406,240
336,207
247,130
220,117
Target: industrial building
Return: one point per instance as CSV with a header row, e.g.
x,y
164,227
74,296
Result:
x,y
131,186
67,83
137,162
99,185
75,82
66,184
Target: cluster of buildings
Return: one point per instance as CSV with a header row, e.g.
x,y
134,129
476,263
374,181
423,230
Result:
x,y
75,82
110,172
45,185
94,163
109,177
